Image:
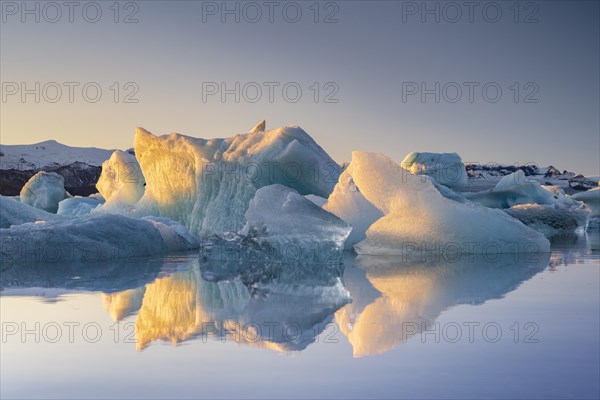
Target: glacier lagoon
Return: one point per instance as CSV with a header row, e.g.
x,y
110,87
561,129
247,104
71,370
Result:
x,y
521,325
189,281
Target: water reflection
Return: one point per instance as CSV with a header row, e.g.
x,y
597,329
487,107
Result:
x,y
281,307
574,248
413,293
101,276
377,302
123,304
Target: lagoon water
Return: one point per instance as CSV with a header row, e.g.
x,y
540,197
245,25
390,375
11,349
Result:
x,y
378,327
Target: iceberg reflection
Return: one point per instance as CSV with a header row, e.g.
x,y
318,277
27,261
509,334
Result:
x,y
377,302
283,307
412,294
104,276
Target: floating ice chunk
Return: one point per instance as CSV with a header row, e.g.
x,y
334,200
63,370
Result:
x,y
511,190
206,185
14,212
591,198
98,238
175,236
549,219
547,209
260,127
44,190
445,168
280,218
417,214
121,180
348,203
593,225
77,206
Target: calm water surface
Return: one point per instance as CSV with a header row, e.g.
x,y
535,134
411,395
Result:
x,y
525,326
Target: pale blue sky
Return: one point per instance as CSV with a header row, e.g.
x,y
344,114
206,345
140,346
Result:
x,y
368,54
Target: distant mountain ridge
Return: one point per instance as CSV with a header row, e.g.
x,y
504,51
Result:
x,y
81,168
485,176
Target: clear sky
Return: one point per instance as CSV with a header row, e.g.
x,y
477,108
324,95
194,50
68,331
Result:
x,y
370,56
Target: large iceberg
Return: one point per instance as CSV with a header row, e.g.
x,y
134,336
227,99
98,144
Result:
x,y
207,185
121,179
282,226
44,191
98,238
417,215
445,168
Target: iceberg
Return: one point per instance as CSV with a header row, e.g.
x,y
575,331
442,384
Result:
x,y
282,227
44,190
279,216
77,206
97,238
417,215
549,219
515,189
545,208
217,178
348,203
14,212
591,198
121,180
174,235
445,168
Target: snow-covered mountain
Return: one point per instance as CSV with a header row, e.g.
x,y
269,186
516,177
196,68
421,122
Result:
x,y
80,166
49,153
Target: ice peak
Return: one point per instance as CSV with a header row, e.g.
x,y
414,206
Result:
x,y
141,131
260,127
